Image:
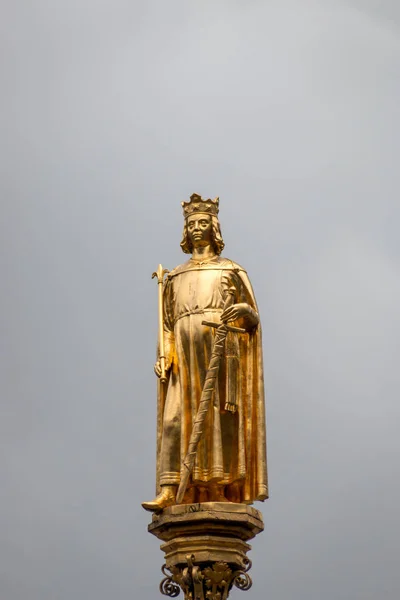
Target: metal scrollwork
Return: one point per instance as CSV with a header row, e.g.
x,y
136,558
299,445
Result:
x,y
208,582
167,586
242,579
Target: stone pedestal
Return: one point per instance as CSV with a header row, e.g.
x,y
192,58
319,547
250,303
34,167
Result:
x,y
205,548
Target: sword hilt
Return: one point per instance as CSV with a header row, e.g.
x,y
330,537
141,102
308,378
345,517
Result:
x,y
229,327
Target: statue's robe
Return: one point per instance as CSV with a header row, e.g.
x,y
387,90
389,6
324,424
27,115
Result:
x,y
233,446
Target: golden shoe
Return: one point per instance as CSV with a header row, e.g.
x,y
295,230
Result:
x,y
166,498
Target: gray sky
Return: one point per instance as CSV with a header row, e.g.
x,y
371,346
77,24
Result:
x,y
112,113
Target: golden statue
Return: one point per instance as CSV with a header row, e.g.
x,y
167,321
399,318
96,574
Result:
x,y
211,437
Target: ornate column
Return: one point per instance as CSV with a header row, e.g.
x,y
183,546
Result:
x,y
205,548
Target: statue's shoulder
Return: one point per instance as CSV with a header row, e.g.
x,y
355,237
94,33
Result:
x,y
179,269
227,263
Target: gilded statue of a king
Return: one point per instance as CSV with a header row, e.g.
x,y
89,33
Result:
x,y
230,458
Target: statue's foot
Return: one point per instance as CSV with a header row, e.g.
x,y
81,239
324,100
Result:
x,y
216,494
166,498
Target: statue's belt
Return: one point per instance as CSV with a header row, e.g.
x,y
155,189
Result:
x,y
199,311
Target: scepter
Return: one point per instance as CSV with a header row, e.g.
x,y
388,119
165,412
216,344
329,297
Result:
x,y
160,274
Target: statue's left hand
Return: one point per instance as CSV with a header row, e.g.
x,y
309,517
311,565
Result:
x,y
236,311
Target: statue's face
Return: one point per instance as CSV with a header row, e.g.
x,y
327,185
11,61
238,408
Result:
x,y
199,228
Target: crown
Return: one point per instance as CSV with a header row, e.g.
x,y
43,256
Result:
x,y
198,205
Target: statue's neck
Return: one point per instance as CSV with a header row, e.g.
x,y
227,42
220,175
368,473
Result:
x,y
202,253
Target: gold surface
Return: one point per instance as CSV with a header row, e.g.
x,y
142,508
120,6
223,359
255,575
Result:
x,y
214,507
206,547
221,448
225,519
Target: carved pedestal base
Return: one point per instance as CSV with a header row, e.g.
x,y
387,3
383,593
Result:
x,y
205,548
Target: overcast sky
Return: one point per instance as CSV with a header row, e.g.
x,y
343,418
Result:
x,y
112,113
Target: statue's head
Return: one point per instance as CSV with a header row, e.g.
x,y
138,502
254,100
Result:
x,y
196,208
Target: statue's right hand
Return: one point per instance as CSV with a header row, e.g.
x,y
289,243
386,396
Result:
x,y
157,367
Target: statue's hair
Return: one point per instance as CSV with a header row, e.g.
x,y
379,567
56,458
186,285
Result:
x,y
216,239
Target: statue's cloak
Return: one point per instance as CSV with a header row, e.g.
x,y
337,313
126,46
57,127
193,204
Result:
x,y
234,447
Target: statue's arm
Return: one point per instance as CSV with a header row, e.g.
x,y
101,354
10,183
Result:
x,y
251,318
243,311
244,308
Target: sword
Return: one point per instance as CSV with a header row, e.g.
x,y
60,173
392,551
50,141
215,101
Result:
x,y
160,273
206,395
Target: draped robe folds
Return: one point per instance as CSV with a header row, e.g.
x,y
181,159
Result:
x,y
232,449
